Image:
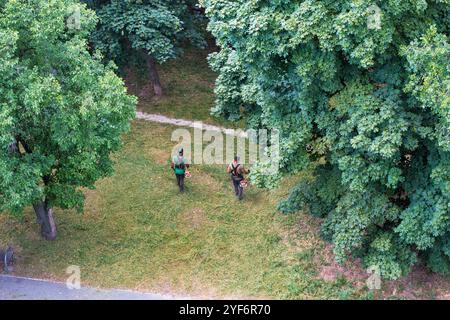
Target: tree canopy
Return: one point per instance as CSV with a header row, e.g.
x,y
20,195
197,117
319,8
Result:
x,y
152,29
62,111
359,91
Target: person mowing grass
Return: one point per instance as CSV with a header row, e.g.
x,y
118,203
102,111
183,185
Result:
x,y
180,166
237,171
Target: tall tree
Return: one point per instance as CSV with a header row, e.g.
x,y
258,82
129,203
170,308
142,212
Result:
x,y
359,92
61,110
151,29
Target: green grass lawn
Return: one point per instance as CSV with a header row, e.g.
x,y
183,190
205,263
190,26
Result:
x,y
138,232
188,84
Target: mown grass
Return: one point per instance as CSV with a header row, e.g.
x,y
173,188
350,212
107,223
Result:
x,y
188,85
138,232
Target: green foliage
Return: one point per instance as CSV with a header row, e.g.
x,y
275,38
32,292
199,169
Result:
x,y
230,86
321,195
362,97
157,27
60,108
429,80
438,258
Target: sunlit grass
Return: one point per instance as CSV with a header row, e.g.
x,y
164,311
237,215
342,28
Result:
x,y
139,233
188,84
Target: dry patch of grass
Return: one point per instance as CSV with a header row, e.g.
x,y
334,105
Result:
x,y
159,156
204,180
194,218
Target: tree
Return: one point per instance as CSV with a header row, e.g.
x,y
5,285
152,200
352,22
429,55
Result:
x,y
61,110
152,30
359,93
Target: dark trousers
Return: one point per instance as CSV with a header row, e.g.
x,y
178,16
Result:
x,y
238,190
180,181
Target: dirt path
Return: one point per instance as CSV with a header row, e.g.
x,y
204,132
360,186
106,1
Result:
x,y
188,123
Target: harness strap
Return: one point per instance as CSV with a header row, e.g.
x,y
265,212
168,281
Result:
x,y
235,169
235,174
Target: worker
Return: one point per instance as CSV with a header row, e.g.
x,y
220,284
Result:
x,y
180,166
237,171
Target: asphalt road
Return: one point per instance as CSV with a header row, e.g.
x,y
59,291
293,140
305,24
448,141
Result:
x,y
17,288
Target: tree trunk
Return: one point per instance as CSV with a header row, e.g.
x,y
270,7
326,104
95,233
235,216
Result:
x,y
154,76
45,218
